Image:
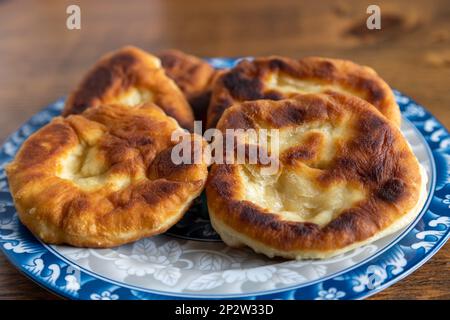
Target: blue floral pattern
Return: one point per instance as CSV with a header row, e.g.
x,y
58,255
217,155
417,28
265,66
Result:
x,y
330,294
105,295
65,278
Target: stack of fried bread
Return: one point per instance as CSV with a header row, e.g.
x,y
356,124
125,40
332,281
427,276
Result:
x,y
102,174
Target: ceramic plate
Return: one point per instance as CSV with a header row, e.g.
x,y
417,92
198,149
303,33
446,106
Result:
x,y
190,261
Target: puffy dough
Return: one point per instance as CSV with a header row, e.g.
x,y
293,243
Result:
x,y
130,77
103,178
193,76
277,78
337,187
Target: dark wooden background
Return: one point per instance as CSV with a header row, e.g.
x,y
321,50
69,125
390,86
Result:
x,y
40,61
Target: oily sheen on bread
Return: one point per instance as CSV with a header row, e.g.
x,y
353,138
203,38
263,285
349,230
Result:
x,y
130,76
193,76
103,178
346,177
277,78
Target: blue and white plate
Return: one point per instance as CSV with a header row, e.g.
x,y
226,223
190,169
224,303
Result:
x,y
190,261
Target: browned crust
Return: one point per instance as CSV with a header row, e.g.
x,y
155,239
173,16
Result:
x,y
118,71
246,82
193,76
381,161
133,144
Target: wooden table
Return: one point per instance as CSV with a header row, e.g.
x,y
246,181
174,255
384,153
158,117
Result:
x,y
40,60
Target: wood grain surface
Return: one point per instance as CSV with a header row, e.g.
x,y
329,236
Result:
x,y
41,60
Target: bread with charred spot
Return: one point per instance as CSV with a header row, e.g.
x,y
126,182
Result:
x,y
130,76
346,177
278,78
103,178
